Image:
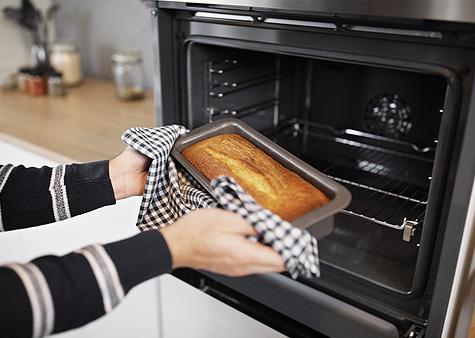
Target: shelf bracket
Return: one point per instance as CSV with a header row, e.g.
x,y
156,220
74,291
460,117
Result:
x,y
409,229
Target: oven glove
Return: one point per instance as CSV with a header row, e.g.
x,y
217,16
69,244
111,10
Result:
x,y
170,192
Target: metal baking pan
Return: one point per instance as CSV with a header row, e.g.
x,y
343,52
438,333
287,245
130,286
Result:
x,y
320,221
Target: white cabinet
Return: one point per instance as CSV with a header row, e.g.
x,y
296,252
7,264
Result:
x,y
189,313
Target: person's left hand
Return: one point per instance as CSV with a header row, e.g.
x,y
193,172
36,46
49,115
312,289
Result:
x,y
128,173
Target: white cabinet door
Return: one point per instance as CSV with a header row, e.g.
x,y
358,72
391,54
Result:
x,y
189,313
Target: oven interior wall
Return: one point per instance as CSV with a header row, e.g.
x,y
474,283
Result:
x,y
372,129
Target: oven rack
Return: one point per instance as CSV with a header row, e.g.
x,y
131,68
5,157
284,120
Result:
x,y
389,182
395,212
394,204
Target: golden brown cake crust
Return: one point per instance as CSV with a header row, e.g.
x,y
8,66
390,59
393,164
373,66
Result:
x,y
273,186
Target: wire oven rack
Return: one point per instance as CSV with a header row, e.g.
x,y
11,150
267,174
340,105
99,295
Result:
x,y
389,185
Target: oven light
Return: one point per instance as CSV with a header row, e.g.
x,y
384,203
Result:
x,y
392,31
301,23
223,16
372,167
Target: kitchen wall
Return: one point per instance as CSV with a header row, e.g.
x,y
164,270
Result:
x,y
101,27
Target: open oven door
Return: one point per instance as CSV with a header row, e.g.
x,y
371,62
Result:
x,y
289,307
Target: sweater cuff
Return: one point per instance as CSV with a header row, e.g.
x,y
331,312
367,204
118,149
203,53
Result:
x,y
88,186
140,258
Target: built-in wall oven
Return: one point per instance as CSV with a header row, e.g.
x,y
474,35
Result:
x,y
377,95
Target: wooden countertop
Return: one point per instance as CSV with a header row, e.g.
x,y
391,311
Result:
x,y
85,125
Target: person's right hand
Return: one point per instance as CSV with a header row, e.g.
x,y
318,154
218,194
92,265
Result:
x,y
215,240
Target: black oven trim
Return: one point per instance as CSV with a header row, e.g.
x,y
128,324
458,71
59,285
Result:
x,y
445,32
404,11
446,130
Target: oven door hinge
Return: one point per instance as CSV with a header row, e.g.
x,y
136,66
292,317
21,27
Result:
x,y
415,331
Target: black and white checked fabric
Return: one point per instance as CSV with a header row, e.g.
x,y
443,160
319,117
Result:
x,y
297,247
170,192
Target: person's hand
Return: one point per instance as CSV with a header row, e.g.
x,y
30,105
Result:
x,y
128,173
215,240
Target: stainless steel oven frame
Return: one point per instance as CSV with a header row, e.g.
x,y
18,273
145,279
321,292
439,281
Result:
x,y
429,35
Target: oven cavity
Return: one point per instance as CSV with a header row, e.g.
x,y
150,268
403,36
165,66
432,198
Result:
x,y
373,129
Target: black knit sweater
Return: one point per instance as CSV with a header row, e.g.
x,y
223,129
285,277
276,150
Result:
x,y
53,294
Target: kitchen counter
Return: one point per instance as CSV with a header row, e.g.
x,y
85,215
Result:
x,y
85,125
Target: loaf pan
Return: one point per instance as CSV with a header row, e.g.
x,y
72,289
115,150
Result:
x,y
320,221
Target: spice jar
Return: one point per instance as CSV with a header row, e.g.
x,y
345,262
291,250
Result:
x,y
37,83
56,86
8,80
65,58
128,74
22,80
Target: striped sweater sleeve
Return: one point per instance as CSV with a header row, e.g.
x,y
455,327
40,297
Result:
x,y
35,196
53,294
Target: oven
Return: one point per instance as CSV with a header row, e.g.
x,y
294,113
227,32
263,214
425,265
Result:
x,y
378,97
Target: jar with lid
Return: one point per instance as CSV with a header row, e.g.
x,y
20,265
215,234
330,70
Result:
x,y
65,58
128,74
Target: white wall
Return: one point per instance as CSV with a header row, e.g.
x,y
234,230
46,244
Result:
x,y
15,43
102,27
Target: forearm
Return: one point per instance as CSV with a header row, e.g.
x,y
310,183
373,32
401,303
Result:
x,y
76,288
35,196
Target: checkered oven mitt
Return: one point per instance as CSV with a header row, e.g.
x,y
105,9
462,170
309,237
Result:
x,y
170,192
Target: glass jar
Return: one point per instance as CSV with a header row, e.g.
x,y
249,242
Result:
x,y
8,80
65,59
128,74
56,85
23,77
